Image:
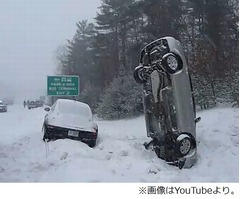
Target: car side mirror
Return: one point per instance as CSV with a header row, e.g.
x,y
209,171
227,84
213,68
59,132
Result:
x,y
47,109
198,119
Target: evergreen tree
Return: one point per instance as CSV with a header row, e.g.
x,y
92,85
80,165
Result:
x,y
164,18
123,98
104,55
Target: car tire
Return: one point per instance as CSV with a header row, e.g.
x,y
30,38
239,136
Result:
x,y
137,74
184,144
172,63
92,143
46,138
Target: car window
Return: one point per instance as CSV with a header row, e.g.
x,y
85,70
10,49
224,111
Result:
x,y
53,106
76,109
1,103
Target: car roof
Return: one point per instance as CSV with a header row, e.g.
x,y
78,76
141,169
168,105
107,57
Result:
x,y
66,101
73,106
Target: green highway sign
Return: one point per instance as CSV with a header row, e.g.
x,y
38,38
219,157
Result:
x,y
62,85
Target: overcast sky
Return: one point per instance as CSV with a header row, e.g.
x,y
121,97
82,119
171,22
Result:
x,y
30,32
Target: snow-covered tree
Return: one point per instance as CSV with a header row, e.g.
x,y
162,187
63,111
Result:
x,y
123,98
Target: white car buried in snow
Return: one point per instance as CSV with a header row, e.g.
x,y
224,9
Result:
x,y
70,119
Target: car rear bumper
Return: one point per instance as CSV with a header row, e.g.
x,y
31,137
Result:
x,y
54,132
34,106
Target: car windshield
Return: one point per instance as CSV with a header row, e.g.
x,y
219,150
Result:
x,y
1,103
75,108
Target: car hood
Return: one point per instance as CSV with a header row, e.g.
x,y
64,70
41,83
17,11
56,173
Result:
x,y
71,121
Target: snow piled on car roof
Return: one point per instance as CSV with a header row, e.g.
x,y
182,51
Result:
x,y
74,107
70,102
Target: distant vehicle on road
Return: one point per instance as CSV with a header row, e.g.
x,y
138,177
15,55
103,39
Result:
x,y
3,107
70,119
39,103
34,104
31,104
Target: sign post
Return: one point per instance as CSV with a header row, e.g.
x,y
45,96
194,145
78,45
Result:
x,y
62,85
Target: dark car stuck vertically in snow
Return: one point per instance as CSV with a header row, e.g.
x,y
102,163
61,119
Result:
x,y
169,107
70,119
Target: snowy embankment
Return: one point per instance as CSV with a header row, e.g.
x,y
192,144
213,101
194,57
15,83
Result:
x,y
119,155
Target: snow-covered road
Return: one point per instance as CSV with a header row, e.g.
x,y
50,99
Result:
x,y
119,155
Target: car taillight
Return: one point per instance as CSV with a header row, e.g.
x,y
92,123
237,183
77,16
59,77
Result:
x,y
95,129
49,126
95,132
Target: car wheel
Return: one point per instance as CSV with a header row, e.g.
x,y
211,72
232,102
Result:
x,y
172,62
184,144
46,138
137,74
92,143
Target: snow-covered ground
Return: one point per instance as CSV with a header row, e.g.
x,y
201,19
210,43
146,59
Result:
x,y
119,155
